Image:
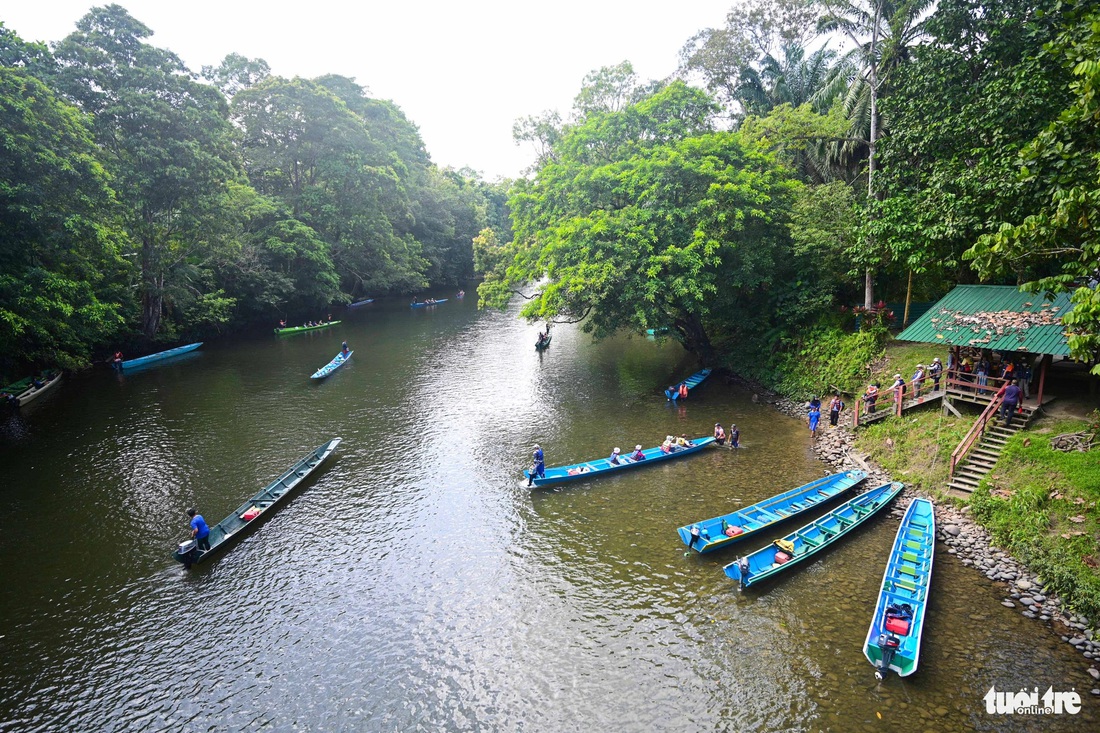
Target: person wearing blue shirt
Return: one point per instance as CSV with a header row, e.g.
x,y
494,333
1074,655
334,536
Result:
x,y
199,531
539,467
815,416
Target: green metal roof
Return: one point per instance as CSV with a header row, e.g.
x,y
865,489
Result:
x,y
997,317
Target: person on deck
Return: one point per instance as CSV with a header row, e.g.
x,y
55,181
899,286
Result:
x,y
870,397
1025,378
898,386
982,373
735,436
918,380
538,467
614,459
813,419
719,434
1012,394
836,406
199,531
935,371
638,454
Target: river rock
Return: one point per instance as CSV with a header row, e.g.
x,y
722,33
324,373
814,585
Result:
x,y
1008,604
1095,673
1023,584
953,530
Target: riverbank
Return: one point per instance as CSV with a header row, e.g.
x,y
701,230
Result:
x,y
914,450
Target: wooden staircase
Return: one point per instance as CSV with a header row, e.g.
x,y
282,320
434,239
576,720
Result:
x,y
976,460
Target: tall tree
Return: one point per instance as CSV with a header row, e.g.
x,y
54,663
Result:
x,y
165,138
881,32
63,281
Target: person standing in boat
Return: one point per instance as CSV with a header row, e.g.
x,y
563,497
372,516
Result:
x,y
199,531
539,466
344,350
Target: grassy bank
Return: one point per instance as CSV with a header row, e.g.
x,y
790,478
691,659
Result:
x,y
1042,505
916,448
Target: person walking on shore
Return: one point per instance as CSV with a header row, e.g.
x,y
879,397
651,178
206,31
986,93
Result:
x,y
814,418
836,405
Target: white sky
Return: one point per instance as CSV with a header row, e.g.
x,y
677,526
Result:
x,y
463,71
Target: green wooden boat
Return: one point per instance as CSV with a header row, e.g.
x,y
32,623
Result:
x,y
303,329
252,511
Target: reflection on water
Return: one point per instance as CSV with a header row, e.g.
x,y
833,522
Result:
x,y
414,584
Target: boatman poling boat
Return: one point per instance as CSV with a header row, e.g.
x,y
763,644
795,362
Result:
x,y
674,392
340,360
893,641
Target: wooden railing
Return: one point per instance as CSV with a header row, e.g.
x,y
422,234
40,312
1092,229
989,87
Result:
x,y
974,434
891,400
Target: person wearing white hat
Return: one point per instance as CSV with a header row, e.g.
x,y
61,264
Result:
x,y
935,371
539,467
638,454
918,380
614,459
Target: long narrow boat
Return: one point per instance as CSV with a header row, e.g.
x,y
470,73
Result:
x,y
714,534
541,344
358,303
35,392
142,361
807,541
893,641
425,304
303,329
18,388
692,382
260,505
332,366
604,466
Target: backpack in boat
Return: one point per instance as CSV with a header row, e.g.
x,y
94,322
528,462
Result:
x,y
784,551
898,618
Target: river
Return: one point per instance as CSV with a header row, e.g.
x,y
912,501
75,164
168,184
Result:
x,y
414,584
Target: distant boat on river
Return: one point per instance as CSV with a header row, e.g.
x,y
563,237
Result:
x,y
603,466
144,360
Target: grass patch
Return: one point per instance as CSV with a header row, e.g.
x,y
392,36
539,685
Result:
x,y
915,448
1042,505
902,357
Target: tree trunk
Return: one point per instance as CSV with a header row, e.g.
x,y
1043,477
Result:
x,y
872,142
908,299
152,300
694,337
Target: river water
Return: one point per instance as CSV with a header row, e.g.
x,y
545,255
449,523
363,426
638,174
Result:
x,y
414,584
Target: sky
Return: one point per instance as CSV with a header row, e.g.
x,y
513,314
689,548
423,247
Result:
x,y
462,71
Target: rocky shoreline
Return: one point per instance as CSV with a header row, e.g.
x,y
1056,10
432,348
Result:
x,y
965,539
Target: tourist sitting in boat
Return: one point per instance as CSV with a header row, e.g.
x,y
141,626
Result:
x,y
683,441
330,318
38,383
683,390
282,323
638,454
667,446
719,434
614,459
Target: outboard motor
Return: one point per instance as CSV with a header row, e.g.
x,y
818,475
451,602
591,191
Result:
x,y
743,566
188,553
889,644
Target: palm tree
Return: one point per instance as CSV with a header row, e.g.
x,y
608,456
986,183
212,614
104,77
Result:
x,y
792,79
881,31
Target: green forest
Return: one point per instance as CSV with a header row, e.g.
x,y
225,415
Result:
x,y
143,202
807,162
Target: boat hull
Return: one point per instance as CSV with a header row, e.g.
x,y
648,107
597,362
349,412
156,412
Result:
x,y
904,592
144,360
339,361
263,504
303,329
603,467
692,382
34,393
358,303
757,519
426,305
812,538
540,345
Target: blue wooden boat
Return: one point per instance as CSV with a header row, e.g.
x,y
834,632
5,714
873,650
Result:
x,y
603,466
142,361
358,303
807,541
424,305
692,382
252,511
332,366
714,534
893,641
